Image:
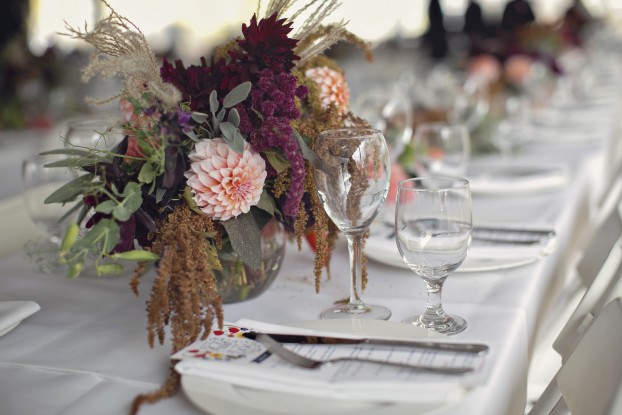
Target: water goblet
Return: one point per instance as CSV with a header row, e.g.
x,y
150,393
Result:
x,y
352,179
38,182
94,133
440,149
433,225
389,110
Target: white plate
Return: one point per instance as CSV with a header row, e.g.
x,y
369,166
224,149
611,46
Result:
x,y
381,247
222,398
515,178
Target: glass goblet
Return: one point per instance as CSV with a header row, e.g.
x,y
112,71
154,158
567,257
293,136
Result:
x,y
389,110
38,182
93,133
433,224
441,149
352,179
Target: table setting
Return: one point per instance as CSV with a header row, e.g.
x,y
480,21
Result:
x,y
239,239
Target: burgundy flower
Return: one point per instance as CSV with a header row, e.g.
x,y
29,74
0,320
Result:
x,y
265,46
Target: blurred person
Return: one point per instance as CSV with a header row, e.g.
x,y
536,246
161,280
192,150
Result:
x,y
516,14
435,39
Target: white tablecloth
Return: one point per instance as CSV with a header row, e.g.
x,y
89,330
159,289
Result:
x,y
86,350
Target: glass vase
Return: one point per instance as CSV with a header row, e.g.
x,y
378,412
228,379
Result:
x,y
237,281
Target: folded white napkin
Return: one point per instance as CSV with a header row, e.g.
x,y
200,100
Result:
x,y
13,312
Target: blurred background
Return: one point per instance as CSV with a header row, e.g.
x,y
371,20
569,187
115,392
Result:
x,y
40,68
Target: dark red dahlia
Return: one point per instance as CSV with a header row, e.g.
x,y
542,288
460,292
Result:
x,y
195,82
265,46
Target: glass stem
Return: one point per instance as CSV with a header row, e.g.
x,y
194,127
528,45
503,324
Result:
x,y
434,309
356,272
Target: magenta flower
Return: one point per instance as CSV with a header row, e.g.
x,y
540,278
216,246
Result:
x,y
224,183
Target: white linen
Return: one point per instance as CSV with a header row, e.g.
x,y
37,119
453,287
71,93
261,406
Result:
x,y
13,312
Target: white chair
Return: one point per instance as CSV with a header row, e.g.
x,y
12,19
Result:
x,y
606,285
590,380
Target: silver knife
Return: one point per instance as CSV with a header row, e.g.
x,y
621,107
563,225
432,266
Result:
x,y
333,340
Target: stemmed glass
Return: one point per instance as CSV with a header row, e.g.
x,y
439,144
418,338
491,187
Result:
x,y
93,133
441,149
433,227
38,182
352,179
389,110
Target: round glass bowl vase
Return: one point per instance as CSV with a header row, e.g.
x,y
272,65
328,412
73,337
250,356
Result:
x,y
237,281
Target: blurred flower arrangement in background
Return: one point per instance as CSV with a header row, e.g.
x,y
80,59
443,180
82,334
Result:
x,y
212,152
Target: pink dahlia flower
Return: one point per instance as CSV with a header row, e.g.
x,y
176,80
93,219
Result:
x,y
333,88
224,183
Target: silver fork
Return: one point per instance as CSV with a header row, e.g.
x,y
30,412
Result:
x,y
306,362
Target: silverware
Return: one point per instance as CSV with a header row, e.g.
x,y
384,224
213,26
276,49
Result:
x,y
284,353
335,340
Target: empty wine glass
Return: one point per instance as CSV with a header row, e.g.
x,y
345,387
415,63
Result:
x,y
433,224
513,130
389,110
93,133
440,149
38,182
352,179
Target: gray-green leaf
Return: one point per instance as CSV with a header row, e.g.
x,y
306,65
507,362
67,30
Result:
x,y
234,117
237,95
105,207
309,154
199,117
245,237
147,173
266,203
213,102
228,131
69,191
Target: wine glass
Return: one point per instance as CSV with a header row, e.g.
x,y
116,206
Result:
x,y
389,110
441,149
38,182
93,133
352,179
513,129
433,227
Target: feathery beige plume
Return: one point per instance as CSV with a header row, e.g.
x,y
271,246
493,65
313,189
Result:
x,y
122,50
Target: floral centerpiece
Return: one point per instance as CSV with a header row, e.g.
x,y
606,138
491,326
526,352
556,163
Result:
x,y
212,152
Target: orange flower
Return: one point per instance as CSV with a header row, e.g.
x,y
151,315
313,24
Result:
x,y
333,88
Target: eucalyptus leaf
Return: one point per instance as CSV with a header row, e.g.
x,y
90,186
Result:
x,y
221,115
70,190
160,192
245,237
238,142
277,161
266,203
192,135
213,102
309,154
234,117
228,131
237,95
199,117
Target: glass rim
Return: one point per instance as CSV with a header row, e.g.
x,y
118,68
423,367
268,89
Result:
x,y
436,125
452,183
361,132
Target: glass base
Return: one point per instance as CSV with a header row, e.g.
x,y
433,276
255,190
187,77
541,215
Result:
x,y
363,311
445,325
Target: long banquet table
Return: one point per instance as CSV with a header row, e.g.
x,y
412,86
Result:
x,y
86,350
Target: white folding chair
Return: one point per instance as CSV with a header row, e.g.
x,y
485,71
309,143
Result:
x,y
590,380
606,285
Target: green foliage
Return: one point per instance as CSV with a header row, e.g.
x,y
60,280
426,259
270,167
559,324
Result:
x,y
245,237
